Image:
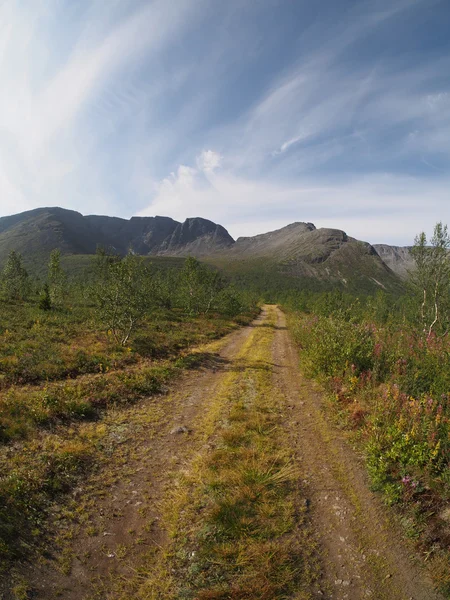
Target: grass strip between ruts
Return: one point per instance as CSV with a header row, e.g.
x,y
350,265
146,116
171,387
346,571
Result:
x,y
235,519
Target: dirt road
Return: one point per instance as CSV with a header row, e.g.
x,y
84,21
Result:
x,y
114,533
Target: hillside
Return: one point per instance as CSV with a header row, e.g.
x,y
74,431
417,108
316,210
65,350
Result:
x,y
297,255
397,258
35,233
317,258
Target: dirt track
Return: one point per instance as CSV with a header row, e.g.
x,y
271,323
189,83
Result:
x,y
118,527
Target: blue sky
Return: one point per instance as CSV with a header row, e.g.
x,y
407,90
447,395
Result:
x,y
251,113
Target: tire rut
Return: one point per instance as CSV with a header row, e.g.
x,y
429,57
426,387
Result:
x,y
362,554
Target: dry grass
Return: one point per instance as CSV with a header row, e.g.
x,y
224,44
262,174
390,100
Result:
x,y
235,518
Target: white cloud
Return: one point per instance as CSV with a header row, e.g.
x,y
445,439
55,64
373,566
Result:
x,y
44,135
94,121
209,161
375,208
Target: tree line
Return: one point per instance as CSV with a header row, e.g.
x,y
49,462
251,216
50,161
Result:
x,y
424,304
124,289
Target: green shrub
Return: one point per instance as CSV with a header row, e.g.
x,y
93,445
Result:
x,y
45,302
332,345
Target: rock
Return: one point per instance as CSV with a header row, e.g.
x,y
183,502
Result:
x,y
180,429
445,515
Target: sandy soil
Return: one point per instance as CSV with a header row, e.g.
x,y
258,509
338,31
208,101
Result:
x,y
117,504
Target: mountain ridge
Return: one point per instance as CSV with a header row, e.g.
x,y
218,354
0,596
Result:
x,y
298,249
40,230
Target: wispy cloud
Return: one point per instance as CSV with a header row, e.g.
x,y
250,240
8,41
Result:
x,y
251,114
378,208
48,125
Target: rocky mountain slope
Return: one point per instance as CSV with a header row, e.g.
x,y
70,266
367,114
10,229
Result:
x,y
299,250
35,233
397,258
328,256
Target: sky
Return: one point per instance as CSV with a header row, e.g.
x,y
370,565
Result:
x,y
253,114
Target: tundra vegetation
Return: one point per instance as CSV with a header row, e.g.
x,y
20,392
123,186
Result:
x,y
71,349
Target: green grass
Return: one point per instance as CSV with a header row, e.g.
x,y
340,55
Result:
x,y
388,385
57,365
80,266
351,270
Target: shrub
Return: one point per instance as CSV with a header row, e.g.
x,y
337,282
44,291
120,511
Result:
x,y
45,302
332,346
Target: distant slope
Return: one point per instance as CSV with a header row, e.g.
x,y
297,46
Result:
x,y
296,256
397,258
321,258
35,233
280,243
198,237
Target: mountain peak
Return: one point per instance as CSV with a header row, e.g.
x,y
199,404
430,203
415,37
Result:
x,y
197,236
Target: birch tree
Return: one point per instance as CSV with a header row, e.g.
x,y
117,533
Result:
x,y
123,296
431,279
14,279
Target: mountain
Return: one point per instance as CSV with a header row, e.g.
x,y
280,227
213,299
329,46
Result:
x,y
397,258
35,233
294,255
325,256
197,237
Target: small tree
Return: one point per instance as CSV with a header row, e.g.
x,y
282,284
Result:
x,y
230,302
123,296
199,286
164,288
45,302
14,280
57,280
104,258
431,278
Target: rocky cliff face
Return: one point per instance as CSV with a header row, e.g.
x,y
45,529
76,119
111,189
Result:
x,y
397,258
35,233
198,237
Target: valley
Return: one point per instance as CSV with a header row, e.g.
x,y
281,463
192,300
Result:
x,y
268,420
298,255
224,300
